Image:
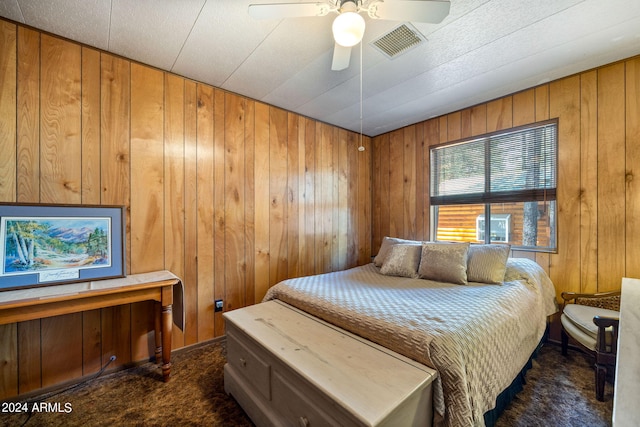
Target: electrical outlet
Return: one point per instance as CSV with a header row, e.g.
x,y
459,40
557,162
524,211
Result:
x,y
219,305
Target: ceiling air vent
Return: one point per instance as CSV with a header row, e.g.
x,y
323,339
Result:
x,y
399,40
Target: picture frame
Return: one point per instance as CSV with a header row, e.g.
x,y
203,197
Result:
x,y
45,244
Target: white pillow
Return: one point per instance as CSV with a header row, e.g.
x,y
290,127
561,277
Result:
x,y
487,263
402,260
444,262
387,243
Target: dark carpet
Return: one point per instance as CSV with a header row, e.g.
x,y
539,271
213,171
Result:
x,y
559,392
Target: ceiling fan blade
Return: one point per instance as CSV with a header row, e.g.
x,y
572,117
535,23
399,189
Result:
x,y
432,11
341,57
287,10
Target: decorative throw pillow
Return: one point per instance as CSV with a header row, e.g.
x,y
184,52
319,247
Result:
x,y
386,245
402,260
444,262
487,263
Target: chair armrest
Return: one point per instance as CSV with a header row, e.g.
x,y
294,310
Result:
x,y
605,322
604,354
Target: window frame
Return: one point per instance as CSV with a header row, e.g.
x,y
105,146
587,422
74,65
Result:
x,y
487,197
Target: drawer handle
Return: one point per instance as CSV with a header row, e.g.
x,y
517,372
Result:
x,y
303,422
243,362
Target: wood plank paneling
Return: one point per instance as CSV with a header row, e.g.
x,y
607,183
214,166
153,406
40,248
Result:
x,y
396,183
309,201
90,141
91,342
381,190
28,112
261,201
542,102
564,103
8,106
205,219
115,118
524,107
410,195
454,126
174,182
632,173
320,184
465,123
29,356
9,360
219,210
341,182
190,278
147,194
62,343
278,141
115,154
353,202
479,120
499,114
334,203
293,196
611,176
364,204
147,169
116,334
249,201
328,197
588,182
443,128
60,121
234,201
422,192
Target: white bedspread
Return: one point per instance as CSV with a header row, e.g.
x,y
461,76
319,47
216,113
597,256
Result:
x,y
478,337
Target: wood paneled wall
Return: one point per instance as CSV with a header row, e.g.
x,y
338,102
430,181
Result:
x,y
598,172
230,194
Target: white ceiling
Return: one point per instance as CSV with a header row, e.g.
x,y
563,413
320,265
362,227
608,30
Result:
x,y
483,50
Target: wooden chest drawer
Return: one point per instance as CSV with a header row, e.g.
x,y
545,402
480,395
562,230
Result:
x,y
298,406
254,367
287,368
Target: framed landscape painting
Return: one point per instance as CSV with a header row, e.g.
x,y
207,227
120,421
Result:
x,y
53,244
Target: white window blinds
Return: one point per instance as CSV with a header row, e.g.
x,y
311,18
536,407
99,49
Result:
x,y
518,165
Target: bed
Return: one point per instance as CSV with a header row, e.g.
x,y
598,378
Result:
x,y
470,312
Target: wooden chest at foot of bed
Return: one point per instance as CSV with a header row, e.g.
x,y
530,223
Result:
x,y
286,367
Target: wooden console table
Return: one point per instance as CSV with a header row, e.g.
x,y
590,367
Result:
x,y
35,303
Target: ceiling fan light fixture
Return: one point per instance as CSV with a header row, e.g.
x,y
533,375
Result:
x,y
348,29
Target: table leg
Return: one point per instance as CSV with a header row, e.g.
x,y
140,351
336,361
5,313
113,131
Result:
x,y
167,321
158,332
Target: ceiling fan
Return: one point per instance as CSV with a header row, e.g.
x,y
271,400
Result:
x,y
348,27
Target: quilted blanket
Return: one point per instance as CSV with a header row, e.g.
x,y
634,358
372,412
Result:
x,y
478,337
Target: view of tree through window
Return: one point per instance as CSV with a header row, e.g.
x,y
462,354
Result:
x,y
509,177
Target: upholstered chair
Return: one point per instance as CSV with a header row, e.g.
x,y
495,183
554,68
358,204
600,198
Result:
x,y
592,321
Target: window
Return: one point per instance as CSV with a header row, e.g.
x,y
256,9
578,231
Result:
x,y
509,177
500,225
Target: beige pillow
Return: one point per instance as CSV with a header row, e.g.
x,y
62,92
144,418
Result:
x,y
386,245
444,262
487,263
402,260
